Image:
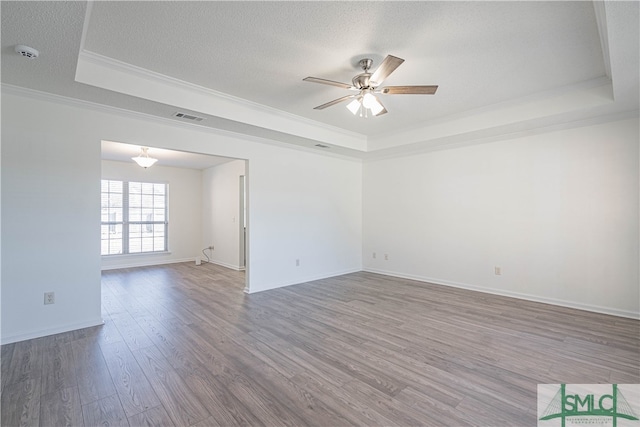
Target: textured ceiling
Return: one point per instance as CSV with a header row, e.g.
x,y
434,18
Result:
x,y
479,53
492,61
124,152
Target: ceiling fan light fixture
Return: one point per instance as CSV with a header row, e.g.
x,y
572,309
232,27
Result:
x,y
375,106
367,84
143,159
368,100
354,106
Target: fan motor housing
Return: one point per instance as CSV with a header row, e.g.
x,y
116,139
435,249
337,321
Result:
x,y
361,81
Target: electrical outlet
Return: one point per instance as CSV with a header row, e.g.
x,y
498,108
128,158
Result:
x,y
210,248
49,298
386,257
497,271
297,263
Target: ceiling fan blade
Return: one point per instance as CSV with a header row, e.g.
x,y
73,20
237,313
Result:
x,y
409,90
334,102
387,67
384,111
327,82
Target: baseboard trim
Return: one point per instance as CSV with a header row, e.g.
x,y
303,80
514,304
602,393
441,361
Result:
x,y
528,297
146,263
301,281
51,331
224,264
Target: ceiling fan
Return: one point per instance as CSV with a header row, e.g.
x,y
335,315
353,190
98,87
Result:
x,y
367,86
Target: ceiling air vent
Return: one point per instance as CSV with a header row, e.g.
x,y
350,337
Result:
x,y
322,146
188,117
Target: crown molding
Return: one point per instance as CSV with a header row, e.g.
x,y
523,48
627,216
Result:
x,y
335,152
602,82
601,22
85,25
512,131
507,132
541,105
355,140
109,73
10,89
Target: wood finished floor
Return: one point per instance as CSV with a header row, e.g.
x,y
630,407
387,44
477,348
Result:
x,y
183,345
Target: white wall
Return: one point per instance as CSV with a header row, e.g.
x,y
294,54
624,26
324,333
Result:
x,y
221,213
185,208
50,204
558,212
301,205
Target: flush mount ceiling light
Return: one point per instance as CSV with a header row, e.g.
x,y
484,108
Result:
x,y
26,51
366,103
143,158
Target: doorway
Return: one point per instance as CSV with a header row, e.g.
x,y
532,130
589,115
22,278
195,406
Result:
x,y
217,228
243,222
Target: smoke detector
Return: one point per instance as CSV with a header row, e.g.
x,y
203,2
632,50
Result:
x,y
26,51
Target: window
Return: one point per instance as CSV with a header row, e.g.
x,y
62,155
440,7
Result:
x,y
112,218
134,217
